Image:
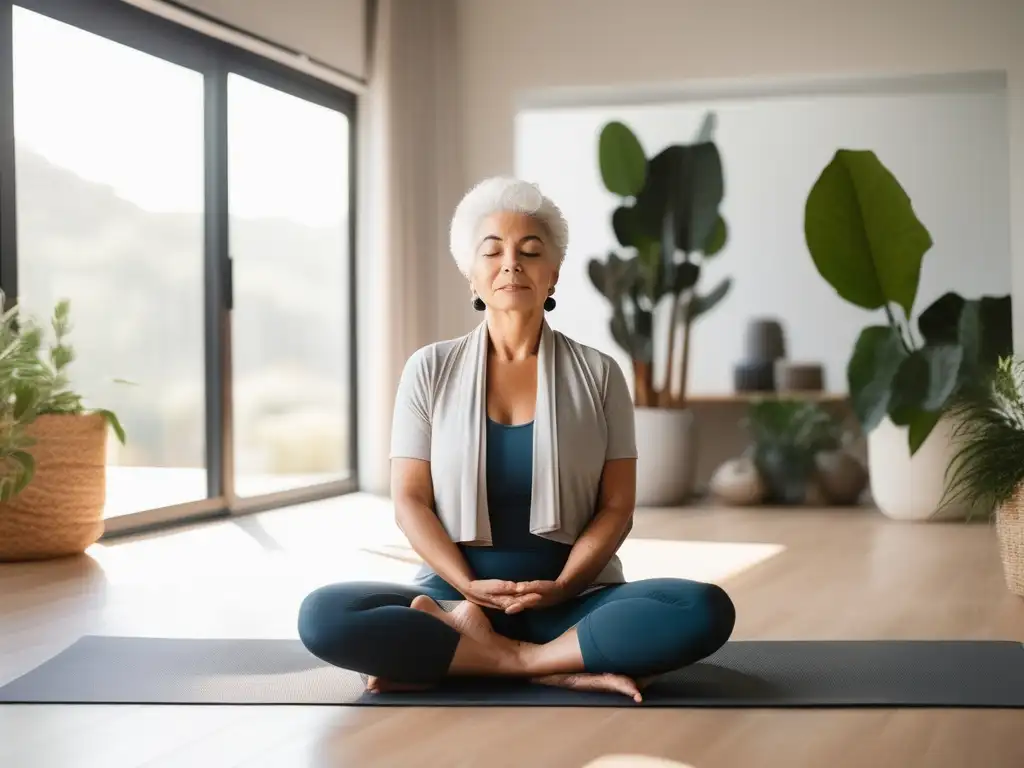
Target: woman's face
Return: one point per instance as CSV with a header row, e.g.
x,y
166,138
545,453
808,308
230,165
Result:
x,y
514,267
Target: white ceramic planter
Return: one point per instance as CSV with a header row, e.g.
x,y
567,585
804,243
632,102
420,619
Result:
x,y
666,467
911,488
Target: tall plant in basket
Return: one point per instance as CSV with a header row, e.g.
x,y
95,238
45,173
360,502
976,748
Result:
x,y
987,470
52,448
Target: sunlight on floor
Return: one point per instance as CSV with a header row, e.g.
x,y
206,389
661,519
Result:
x,y
712,561
634,761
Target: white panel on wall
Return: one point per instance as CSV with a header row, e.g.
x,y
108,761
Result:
x,y
332,32
948,147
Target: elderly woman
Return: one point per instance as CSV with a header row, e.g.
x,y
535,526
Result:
x,y
513,477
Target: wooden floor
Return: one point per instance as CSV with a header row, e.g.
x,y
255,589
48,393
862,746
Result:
x,y
792,573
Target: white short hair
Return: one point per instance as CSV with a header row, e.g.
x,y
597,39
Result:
x,y
501,193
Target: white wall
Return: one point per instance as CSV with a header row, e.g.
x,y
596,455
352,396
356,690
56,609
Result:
x,y
944,139
509,50
329,31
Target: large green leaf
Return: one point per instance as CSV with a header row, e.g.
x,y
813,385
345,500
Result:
x,y
597,271
876,357
625,226
863,234
985,331
924,381
622,161
921,425
613,278
620,331
633,333
685,276
982,327
707,302
718,238
939,323
684,183
650,272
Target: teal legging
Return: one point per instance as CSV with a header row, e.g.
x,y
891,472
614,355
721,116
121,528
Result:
x,y
637,629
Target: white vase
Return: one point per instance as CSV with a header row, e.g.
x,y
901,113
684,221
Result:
x,y
666,464
906,487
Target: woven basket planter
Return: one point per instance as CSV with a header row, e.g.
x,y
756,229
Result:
x,y
60,512
1010,531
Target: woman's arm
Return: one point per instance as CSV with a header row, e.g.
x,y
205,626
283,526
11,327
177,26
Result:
x,y
412,489
607,530
413,495
616,496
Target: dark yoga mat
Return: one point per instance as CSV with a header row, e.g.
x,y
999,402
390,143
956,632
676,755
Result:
x,y
103,670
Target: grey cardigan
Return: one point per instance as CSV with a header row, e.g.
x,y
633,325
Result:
x,y
584,417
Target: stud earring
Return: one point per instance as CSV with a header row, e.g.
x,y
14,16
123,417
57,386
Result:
x,y
478,304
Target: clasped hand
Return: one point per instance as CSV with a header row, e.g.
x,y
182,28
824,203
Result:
x,y
514,597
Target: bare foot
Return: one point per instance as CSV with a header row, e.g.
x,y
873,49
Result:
x,y
470,620
377,685
586,681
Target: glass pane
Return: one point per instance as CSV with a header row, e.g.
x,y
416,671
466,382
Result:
x,y
288,194
109,161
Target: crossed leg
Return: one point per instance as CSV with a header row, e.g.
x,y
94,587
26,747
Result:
x,y
606,640
561,654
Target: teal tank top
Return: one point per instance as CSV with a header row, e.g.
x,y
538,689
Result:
x,y
516,554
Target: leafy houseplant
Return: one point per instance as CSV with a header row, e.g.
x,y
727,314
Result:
x,y
52,456
987,470
667,218
867,242
987,467
786,438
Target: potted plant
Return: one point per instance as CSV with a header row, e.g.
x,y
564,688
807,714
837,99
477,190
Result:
x,y
787,435
986,473
52,449
867,242
667,223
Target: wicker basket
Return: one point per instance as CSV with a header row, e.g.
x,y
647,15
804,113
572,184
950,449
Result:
x,y
1010,531
61,511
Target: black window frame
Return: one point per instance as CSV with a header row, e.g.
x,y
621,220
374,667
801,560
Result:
x,y
215,59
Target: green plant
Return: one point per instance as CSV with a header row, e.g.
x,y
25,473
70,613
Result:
x,y
33,382
667,218
867,242
786,437
988,462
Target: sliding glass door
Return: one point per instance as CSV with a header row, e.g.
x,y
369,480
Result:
x,y
193,204
288,179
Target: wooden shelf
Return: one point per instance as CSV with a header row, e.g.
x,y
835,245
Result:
x,y
749,397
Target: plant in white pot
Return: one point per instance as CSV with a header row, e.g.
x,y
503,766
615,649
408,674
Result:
x,y
667,223
52,448
867,242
